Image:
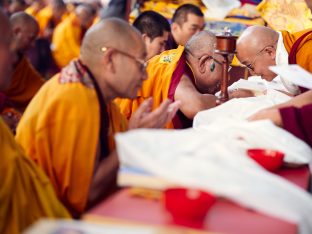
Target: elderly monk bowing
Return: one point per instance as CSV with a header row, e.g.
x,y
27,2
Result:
x,y
26,81
190,75
69,33
68,127
260,47
294,116
26,193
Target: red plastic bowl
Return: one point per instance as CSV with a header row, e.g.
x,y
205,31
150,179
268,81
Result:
x,y
188,204
271,160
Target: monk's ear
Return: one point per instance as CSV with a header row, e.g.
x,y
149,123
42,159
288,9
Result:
x,y
146,38
16,30
203,63
174,27
108,60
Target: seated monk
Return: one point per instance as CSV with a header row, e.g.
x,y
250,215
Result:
x,y
68,127
26,81
187,20
191,75
26,193
68,35
260,47
49,17
294,116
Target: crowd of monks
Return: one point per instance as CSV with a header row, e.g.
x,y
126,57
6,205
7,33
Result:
x,y
70,80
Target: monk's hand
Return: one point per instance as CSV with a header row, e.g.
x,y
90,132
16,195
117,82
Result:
x,y
240,93
272,114
144,117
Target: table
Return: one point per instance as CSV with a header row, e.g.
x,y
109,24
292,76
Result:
x,y
225,216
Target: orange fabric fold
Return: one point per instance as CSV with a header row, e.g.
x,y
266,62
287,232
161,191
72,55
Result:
x,y
25,83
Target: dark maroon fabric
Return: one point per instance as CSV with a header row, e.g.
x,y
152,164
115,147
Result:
x,y
3,100
171,43
180,120
298,121
292,59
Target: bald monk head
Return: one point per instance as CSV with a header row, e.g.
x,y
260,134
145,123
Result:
x,y
5,53
205,64
85,15
115,53
256,48
25,30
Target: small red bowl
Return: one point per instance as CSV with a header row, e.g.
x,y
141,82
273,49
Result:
x,y
188,204
271,160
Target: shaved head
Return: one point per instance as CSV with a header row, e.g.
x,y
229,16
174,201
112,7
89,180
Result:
x,y
5,53
111,32
85,14
253,39
114,52
256,48
25,30
22,19
201,42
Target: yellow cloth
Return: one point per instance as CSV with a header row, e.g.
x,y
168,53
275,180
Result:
x,y
304,55
60,132
44,16
66,41
290,15
31,10
159,70
25,83
26,193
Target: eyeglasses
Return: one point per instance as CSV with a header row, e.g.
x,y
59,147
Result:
x,y
141,62
250,66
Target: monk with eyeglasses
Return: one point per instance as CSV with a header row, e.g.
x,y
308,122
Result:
x,y
69,126
190,74
260,47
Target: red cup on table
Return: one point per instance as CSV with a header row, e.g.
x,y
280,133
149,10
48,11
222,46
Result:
x,y
188,204
271,160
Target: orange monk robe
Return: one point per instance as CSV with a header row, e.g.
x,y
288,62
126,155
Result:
x,y
304,54
66,41
60,131
25,83
163,78
26,193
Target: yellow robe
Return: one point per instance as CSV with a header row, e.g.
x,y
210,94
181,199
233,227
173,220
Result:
x,y
60,132
304,55
66,41
44,16
25,83
160,70
26,193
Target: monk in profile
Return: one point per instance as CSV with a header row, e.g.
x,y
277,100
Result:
x,y
190,74
26,193
68,35
68,128
26,81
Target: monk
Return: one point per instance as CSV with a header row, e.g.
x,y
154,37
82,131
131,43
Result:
x,y
26,81
187,20
68,127
155,30
190,75
260,47
50,16
26,193
68,35
294,116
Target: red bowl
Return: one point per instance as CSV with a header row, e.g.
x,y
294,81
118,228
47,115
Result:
x,y
271,160
188,204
